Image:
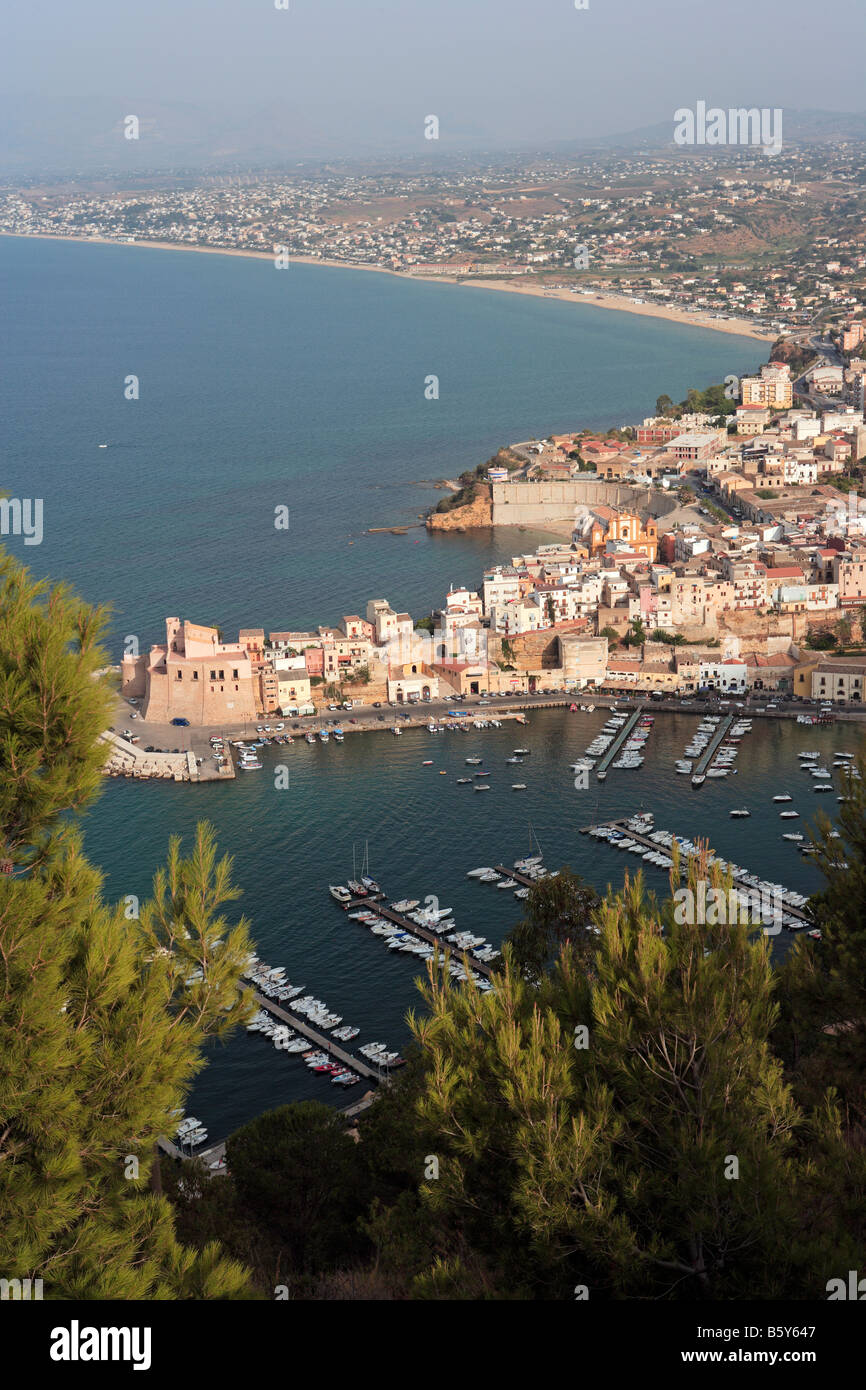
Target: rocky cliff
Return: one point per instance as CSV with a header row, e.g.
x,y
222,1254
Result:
x,y
477,513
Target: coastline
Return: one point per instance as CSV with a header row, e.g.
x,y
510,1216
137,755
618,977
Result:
x,y
740,328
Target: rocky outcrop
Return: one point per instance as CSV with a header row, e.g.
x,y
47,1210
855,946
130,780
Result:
x,y
477,513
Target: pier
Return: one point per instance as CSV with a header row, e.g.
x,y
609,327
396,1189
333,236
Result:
x,y
405,924
321,1040
641,839
607,759
515,875
716,739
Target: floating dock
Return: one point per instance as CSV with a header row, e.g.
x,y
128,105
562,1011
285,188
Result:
x,y
715,741
374,904
605,761
321,1040
641,839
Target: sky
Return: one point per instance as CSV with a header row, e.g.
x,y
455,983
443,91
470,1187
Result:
x,y
223,80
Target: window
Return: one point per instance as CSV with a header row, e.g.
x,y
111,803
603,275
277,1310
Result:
x,y
222,676
213,675
195,675
178,675
235,676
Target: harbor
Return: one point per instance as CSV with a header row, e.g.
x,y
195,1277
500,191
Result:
x,y
289,845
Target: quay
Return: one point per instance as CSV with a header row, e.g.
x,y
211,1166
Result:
x,y
604,763
405,924
640,839
716,739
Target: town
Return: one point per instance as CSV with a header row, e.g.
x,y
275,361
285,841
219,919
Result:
x,y
694,560
721,234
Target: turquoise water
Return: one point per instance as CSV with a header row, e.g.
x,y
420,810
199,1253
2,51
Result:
x,y
305,388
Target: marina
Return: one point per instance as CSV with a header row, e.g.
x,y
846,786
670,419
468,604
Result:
x,y
288,849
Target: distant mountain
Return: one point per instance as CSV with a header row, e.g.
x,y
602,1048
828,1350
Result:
x,y
43,138
800,128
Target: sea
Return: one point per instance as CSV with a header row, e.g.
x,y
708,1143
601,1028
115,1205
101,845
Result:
x,y
307,389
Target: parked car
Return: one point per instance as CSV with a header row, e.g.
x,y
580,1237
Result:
x,y
180,721
381,717
377,704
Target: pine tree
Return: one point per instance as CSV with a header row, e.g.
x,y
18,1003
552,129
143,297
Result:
x,y
621,1124
103,1017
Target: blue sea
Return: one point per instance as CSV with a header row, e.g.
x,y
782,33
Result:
x,y
304,389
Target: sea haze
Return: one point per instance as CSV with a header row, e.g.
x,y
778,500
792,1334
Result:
x,y
303,388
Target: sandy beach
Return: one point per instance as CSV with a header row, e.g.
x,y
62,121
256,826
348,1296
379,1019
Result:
x,y
619,303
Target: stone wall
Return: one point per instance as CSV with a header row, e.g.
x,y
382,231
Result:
x,y
533,504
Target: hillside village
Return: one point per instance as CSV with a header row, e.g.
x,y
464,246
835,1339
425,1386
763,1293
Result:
x,y
739,565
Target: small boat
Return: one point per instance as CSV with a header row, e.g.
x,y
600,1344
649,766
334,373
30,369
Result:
x,y
740,813
464,781
324,736
338,892
474,761
789,815
310,736
698,780
482,786
518,786
822,787
522,752
396,730
785,796
600,776
795,836
428,762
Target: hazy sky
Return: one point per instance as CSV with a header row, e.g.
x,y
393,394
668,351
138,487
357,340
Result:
x,y
223,78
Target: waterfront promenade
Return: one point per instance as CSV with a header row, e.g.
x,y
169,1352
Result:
x,y
367,719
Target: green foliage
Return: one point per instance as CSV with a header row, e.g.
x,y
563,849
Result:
x,y
298,1181
559,911
821,639
100,1033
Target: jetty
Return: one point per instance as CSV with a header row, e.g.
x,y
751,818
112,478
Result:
x,y
321,1040
605,762
623,824
374,904
710,751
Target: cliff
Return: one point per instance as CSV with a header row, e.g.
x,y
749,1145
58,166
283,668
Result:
x,y
475,514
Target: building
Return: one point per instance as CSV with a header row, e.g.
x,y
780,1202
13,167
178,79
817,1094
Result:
x,y
839,679
772,388
194,676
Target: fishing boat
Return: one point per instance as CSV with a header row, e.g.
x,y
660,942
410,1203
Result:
x,y
310,736
324,736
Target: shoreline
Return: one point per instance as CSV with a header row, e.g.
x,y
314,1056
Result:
x,y
739,328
